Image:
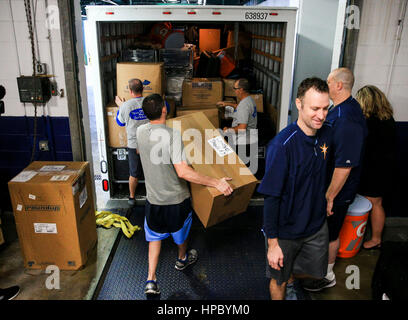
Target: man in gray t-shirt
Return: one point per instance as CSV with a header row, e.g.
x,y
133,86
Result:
x,y
168,207
244,124
131,115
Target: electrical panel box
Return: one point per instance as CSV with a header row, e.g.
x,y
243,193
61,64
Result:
x,y
34,89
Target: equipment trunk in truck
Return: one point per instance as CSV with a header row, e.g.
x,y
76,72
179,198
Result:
x,y
224,42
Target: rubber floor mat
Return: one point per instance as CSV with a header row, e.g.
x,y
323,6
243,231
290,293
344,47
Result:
x,y
231,263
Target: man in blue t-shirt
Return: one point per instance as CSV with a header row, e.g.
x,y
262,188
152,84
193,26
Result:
x,y
349,132
295,225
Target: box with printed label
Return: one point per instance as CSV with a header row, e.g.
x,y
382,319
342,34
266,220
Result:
x,y
54,210
202,92
150,73
229,87
209,154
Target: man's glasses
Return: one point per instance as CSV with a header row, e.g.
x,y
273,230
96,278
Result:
x,y
235,88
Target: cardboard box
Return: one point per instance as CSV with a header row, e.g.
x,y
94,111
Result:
x,y
150,73
117,137
211,114
228,87
258,97
202,92
55,214
212,206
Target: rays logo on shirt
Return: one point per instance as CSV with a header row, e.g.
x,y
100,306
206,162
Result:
x,y
137,114
324,150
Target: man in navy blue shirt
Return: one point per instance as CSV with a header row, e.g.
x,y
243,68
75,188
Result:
x,y
295,225
349,132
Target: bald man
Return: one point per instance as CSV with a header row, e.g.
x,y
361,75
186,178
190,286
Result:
x,y
131,115
344,167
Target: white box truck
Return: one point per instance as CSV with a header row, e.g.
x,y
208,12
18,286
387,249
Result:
x,y
111,29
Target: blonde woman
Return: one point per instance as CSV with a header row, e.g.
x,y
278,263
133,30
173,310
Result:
x,y
378,157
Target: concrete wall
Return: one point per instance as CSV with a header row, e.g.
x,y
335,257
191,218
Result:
x,y
316,34
16,54
17,124
377,38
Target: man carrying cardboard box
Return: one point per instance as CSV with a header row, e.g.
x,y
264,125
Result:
x,y
131,115
168,206
244,123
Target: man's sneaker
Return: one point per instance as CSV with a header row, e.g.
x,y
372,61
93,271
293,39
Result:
x,y
9,293
152,287
131,202
318,285
191,257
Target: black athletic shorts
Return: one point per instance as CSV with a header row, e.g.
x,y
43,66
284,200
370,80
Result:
x,y
303,256
335,221
135,165
167,219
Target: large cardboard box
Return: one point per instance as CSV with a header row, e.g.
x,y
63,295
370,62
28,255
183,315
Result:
x,y
150,73
228,87
202,92
211,114
55,214
117,136
258,97
213,157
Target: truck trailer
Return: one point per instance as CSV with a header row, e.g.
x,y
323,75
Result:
x,y
111,30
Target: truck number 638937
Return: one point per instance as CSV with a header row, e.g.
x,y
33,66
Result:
x,y
256,15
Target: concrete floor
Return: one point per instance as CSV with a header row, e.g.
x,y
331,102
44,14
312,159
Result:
x,y
81,284
74,285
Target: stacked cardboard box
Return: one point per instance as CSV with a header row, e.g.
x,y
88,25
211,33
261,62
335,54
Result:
x,y
117,137
228,87
55,214
211,114
202,93
212,156
151,75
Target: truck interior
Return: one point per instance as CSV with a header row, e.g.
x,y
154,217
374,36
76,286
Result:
x,y
253,50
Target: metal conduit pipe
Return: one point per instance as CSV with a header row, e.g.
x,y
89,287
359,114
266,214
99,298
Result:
x,y
403,10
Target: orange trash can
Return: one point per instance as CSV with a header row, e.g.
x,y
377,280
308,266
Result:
x,y
353,229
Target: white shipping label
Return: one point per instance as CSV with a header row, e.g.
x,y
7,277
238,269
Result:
x,y
52,168
32,197
45,228
82,197
24,176
19,207
60,178
220,146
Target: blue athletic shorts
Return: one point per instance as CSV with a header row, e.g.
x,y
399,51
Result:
x,y
179,237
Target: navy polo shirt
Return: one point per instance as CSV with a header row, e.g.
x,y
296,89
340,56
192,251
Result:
x,y
295,172
349,133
